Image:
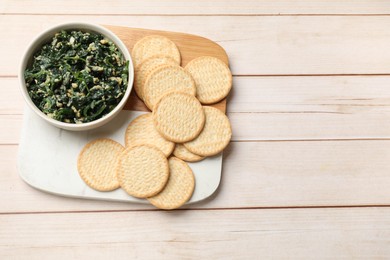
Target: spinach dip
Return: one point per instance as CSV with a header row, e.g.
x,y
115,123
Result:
x,y
77,77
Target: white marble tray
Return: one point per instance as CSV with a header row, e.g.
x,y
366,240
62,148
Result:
x,y
48,160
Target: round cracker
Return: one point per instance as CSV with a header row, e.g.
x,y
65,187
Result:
x,y
212,77
178,117
215,135
166,79
182,152
146,67
142,170
142,131
179,189
154,45
95,163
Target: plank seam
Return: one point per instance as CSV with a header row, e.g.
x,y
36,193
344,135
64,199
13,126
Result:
x,y
282,75
196,209
183,14
280,141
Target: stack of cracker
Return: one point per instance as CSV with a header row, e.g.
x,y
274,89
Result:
x,y
179,124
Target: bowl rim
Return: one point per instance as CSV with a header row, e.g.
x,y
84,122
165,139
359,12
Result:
x,y
42,38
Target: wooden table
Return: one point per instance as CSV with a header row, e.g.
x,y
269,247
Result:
x,y
307,173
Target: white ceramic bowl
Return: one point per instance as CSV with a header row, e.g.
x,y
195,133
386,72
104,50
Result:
x,y
45,37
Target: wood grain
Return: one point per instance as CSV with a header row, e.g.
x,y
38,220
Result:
x,y
177,7
273,126
264,45
11,99
274,108
289,44
294,95
10,129
229,234
255,174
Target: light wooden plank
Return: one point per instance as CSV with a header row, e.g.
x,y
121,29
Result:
x,y
304,108
10,129
349,95
309,126
315,94
305,174
176,7
256,45
230,234
275,108
272,126
255,174
11,99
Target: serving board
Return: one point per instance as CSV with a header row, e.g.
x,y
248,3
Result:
x,y
48,155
